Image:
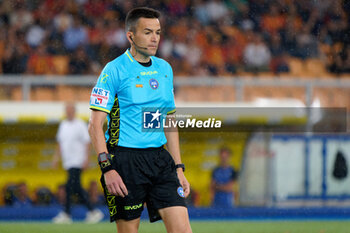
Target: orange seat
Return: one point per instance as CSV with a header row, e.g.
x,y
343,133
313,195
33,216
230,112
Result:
x,y
43,94
61,64
315,68
297,67
65,93
16,93
83,93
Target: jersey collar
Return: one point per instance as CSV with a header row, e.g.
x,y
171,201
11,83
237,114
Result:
x,y
127,52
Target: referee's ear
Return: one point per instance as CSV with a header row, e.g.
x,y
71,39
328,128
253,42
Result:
x,y
129,35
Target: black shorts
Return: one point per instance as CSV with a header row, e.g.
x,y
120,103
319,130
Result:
x,y
150,177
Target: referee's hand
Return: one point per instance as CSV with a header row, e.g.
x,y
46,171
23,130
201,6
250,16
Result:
x,y
115,184
183,181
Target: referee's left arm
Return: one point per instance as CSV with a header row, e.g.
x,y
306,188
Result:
x,y
173,146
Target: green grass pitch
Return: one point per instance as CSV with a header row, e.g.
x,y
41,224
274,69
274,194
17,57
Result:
x,y
197,227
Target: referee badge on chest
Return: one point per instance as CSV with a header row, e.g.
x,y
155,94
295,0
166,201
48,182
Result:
x,y
153,83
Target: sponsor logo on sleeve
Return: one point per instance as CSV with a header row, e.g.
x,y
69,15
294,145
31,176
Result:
x,y
99,97
103,78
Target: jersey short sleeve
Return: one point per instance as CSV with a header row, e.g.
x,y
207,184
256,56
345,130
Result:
x,y
103,94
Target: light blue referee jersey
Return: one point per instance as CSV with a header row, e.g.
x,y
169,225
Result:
x,y
136,99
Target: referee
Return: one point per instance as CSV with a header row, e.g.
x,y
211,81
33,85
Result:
x,y
136,169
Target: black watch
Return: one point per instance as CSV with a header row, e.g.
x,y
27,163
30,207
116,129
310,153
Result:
x,y
180,165
105,162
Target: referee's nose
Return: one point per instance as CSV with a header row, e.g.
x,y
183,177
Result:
x,y
155,38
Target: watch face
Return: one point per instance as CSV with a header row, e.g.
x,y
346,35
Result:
x,y
103,157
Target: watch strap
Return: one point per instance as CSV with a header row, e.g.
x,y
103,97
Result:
x,y
180,165
105,162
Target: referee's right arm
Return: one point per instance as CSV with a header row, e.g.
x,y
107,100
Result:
x,y
97,136
114,182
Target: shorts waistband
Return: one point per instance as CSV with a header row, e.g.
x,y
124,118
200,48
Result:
x,y
122,148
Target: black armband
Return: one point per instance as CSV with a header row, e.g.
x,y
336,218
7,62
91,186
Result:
x,y
105,162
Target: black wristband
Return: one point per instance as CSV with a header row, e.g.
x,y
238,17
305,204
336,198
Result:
x,y
105,162
180,165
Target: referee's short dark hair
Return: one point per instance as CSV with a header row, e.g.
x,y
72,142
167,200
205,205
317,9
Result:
x,y
139,12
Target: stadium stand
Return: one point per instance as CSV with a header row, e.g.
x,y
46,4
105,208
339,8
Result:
x,y
217,46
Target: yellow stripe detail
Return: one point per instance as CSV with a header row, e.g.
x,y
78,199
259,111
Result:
x,y
129,56
171,112
83,117
32,119
252,120
100,109
294,120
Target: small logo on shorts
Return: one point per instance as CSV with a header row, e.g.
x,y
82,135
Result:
x,y
180,191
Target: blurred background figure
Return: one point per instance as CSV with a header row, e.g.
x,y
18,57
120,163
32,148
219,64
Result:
x,y
9,193
43,196
223,181
95,194
257,55
74,141
21,198
60,195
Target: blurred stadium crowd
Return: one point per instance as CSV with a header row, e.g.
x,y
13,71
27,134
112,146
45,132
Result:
x,y
199,37
18,195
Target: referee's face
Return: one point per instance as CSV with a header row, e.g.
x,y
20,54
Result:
x,y
147,36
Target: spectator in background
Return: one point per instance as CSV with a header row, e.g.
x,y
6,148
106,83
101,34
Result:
x,y
43,196
63,21
200,11
21,198
193,55
65,26
79,64
40,62
223,180
213,54
21,18
216,10
73,139
96,37
9,191
339,59
95,195
273,20
60,195
346,60
257,55
75,36
306,44
236,5
36,34
115,39
279,61
15,59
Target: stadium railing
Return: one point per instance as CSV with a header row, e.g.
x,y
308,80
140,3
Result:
x,y
226,89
